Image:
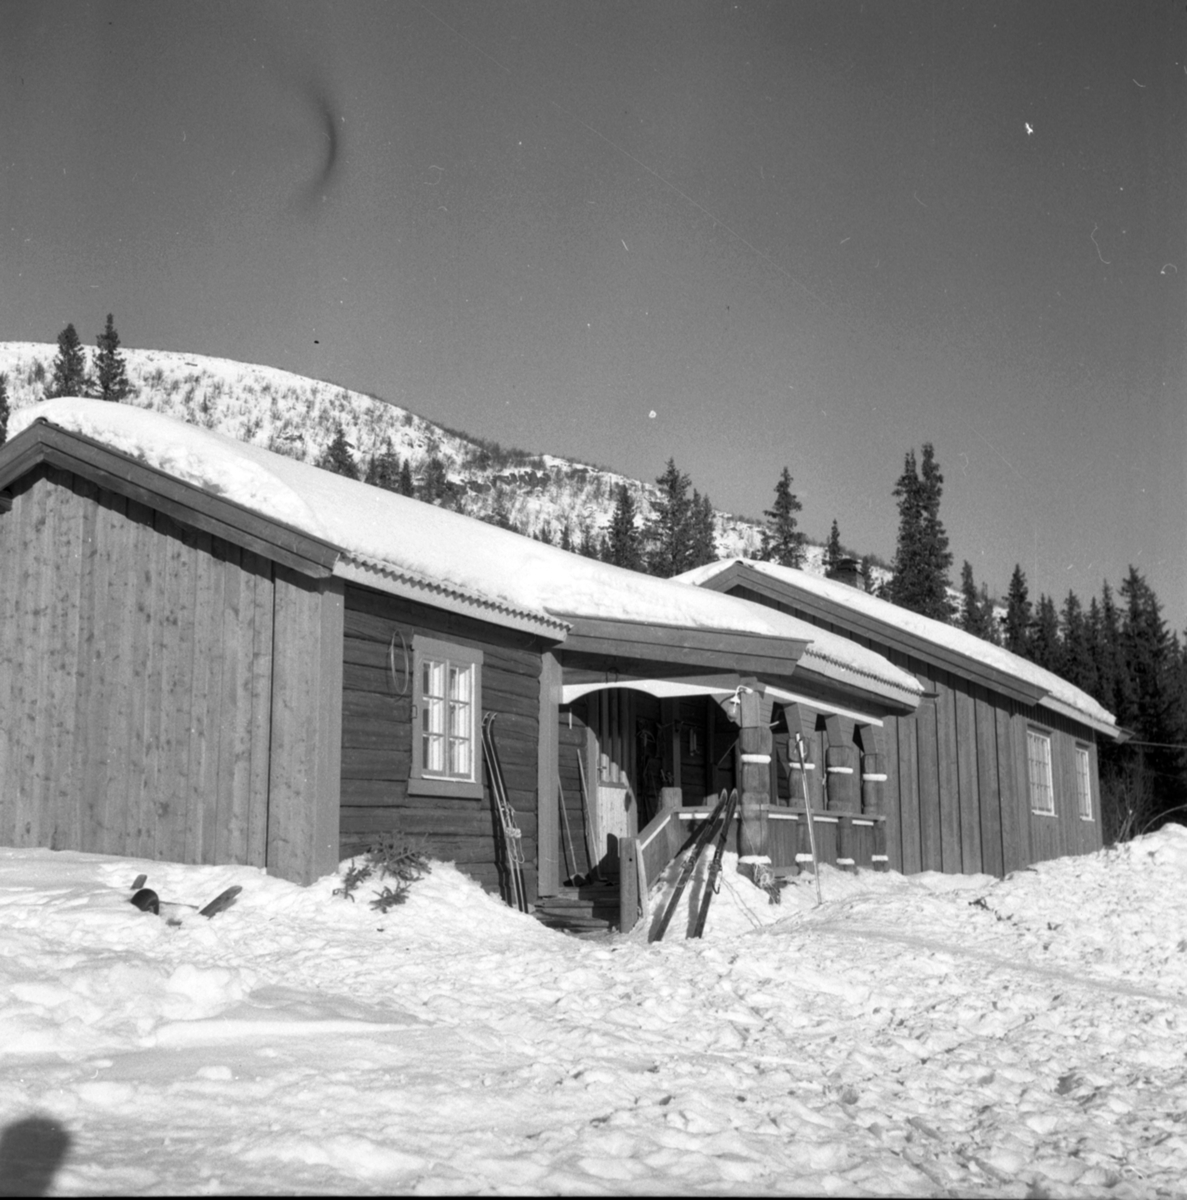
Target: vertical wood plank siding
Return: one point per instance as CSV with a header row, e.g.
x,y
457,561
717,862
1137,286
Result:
x,y
135,681
305,765
377,734
957,794
988,788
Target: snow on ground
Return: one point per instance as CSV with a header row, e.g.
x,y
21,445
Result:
x,y
936,1035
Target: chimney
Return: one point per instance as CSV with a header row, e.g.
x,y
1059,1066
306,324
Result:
x,y
848,570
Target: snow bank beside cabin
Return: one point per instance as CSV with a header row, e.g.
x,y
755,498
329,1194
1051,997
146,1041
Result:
x,y
433,543
935,1035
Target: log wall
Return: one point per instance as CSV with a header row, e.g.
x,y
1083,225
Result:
x,y
377,735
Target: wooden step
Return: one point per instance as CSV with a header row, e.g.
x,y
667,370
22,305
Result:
x,y
590,909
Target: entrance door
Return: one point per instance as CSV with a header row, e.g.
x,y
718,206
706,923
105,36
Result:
x,y
612,728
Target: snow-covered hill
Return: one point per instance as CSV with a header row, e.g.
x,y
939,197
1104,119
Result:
x,y
296,416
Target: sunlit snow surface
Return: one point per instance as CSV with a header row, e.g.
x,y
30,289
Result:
x,y
926,1036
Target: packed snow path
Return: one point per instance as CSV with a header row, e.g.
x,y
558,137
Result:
x,y
927,1036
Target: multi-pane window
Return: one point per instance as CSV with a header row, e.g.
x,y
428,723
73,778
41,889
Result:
x,y
447,716
1038,763
1084,783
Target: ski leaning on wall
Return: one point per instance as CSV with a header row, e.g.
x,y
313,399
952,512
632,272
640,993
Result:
x,y
512,835
713,882
701,839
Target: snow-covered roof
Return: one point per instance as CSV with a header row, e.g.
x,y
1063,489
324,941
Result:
x,y
384,536
1059,693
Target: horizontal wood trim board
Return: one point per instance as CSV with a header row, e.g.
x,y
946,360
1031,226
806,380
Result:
x,y
419,820
717,649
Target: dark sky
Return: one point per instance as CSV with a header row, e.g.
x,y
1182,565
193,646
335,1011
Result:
x,y
740,235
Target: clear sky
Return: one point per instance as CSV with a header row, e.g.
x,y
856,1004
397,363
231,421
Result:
x,y
741,235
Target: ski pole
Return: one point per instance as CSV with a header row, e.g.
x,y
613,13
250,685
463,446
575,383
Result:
x,y
799,749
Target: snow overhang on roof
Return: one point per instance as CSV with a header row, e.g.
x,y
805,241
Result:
x,y
399,545
921,636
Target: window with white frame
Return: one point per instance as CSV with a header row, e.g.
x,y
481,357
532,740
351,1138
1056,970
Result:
x,y
447,712
1038,764
1084,783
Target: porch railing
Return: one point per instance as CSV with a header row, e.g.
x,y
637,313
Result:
x,y
844,840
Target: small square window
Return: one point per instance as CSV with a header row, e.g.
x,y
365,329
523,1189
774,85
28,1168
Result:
x,y
1038,764
1084,783
447,715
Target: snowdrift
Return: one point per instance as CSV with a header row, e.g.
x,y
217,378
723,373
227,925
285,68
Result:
x,y
911,1036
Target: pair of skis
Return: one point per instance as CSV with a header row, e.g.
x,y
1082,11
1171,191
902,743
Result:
x,y
714,831
512,834
145,899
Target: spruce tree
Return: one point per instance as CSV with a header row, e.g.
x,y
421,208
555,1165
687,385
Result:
x,y
1151,706
434,484
70,367
623,545
922,558
337,457
1018,615
405,485
1146,645
110,368
702,532
908,557
4,411
1045,648
935,537
589,545
833,553
976,615
668,529
1115,689
782,543
1077,667
384,468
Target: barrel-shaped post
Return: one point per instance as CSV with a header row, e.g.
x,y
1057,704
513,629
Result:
x,y
840,765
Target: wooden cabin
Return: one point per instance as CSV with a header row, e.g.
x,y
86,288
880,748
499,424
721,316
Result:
x,y
211,653
997,767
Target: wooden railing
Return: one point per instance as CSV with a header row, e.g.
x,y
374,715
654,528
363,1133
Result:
x,y
642,859
844,840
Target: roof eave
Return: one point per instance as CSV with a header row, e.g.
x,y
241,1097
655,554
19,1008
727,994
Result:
x,y
741,574
711,649
410,585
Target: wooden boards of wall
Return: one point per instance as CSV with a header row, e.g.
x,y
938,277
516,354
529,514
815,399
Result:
x,y
377,734
136,656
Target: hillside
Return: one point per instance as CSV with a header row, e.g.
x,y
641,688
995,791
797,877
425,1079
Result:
x,y
298,417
